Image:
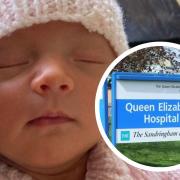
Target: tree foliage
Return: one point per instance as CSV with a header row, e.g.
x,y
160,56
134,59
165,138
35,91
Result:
x,y
153,59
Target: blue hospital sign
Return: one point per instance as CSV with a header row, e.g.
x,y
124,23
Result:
x,y
145,107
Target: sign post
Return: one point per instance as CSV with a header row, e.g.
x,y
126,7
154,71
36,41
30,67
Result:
x,y
104,108
145,107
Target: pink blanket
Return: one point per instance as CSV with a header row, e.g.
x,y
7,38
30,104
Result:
x,y
102,165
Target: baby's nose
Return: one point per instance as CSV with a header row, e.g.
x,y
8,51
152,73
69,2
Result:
x,y
52,78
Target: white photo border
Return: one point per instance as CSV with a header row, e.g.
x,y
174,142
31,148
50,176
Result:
x,y
98,94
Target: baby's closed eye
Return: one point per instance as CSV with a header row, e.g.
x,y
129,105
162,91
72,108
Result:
x,y
6,63
88,61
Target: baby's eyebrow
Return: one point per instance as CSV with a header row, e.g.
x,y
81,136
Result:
x,y
87,51
2,48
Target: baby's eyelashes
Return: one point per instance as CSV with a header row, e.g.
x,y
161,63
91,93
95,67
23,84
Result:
x,y
88,61
11,65
9,60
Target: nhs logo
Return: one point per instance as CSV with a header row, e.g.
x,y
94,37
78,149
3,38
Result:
x,y
125,135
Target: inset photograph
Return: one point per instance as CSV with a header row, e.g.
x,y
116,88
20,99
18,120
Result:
x,y
139,104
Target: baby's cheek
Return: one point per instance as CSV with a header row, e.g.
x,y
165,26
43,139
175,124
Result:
x,y
7,121
11,110
90,120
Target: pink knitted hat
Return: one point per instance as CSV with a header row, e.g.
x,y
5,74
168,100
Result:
x,y
102,16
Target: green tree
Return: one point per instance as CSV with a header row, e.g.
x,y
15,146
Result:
x,y
153,59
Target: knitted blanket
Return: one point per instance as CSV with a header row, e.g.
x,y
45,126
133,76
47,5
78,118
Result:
x,y
102,165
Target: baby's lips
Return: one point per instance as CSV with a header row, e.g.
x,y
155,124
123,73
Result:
x,y
51,116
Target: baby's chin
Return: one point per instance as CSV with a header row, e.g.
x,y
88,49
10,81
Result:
x,y
47,165
55,154
50,160
50,154
54,167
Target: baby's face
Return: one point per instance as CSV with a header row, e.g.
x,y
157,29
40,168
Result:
x,y
48,79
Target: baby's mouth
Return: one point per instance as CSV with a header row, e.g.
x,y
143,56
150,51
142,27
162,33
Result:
x,y
50,118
